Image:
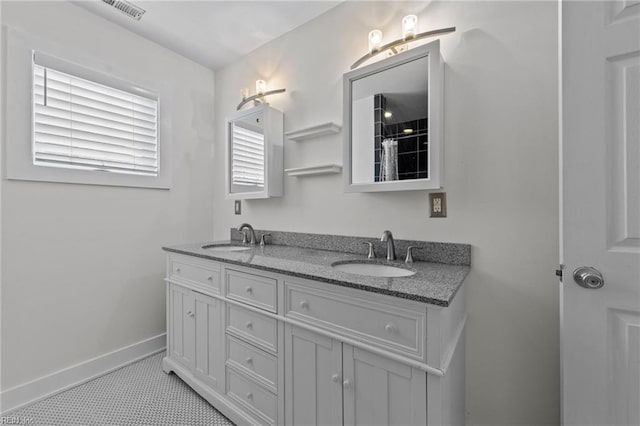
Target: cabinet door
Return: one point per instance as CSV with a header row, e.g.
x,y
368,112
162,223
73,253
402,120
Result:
x,y
380,391
313,378
208,362
182,325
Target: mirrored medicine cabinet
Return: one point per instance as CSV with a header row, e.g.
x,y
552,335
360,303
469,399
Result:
x,y
254,153
393,123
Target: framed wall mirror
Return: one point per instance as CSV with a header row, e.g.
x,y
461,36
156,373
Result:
x,y
393,123
254,166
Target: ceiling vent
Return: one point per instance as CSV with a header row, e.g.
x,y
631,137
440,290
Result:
x,y
129,9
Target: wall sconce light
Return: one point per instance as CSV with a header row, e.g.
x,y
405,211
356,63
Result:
x,y
409,27
375,40
261,93
409,33
261,87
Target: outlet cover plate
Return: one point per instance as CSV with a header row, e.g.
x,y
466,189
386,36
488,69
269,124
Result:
x,y
438,204
238,206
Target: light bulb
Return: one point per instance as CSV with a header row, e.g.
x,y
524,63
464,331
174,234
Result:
x,y
261,87
409,27
375,40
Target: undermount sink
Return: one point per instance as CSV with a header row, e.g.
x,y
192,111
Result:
x,y
372,269
226,247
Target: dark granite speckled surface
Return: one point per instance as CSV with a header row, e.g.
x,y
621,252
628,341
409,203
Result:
x,y
427,251
433,283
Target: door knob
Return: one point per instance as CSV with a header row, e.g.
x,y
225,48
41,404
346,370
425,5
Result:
x,y
588,277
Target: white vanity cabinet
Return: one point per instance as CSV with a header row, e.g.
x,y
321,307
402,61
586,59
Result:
x,y
271,349
328,381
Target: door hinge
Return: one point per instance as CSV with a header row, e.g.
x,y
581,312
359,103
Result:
x,y
559,272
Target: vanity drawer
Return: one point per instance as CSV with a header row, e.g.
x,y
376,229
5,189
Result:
x,y
205,275
384,325
253,362
252,289
259,401
252,327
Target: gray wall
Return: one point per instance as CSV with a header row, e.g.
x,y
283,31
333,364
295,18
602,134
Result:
x,y
501,168
82,267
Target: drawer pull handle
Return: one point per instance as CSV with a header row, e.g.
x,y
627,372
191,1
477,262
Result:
x,y
248,289
391,328
346,384
190,314
249,360
304,304
335,378
249,324
249,395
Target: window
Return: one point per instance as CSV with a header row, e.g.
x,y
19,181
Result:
x,y
83,124
104,120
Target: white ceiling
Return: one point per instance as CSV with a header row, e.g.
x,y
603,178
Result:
x,y
212,32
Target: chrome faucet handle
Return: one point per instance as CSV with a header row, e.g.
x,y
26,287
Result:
x,y
409,258
244,236
262,241
372,253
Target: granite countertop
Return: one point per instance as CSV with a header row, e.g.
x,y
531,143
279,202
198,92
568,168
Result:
x,y
433,283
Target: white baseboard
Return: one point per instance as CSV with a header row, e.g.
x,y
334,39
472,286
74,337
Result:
x,y
46,386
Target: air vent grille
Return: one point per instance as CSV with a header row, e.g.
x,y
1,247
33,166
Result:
x,y
131,10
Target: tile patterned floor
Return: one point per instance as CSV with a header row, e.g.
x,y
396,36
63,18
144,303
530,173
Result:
x,y
140,394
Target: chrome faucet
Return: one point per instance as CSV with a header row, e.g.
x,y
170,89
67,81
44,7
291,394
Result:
x,y
252,233
387,237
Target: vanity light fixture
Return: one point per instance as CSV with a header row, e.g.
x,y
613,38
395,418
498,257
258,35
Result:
x,y
409,27
261,93
409,33
375,41
261,87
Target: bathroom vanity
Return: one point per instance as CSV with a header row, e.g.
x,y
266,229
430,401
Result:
x,y
277,335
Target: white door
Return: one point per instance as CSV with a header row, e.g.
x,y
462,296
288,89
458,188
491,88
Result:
x,y
600,163
182,323
379,391
313,379
208,361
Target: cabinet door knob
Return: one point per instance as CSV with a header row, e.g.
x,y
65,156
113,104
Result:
x,y
249,360
391,328
335,378
249,395
249,324
304,304
177,270
190,314
209,278
248,289
346,384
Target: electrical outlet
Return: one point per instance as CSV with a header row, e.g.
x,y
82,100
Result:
x,y
438,204
238,206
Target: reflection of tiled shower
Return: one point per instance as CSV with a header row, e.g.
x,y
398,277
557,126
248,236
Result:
x,y
412,148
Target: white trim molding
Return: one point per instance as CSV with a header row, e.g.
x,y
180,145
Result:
x,y
67,378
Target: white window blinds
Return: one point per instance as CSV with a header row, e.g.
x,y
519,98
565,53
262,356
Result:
x,y
248,157
82,124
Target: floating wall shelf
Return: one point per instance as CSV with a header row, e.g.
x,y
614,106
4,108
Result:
x,y
313,132
324,169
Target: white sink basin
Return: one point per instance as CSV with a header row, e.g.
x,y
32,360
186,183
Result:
x,y
226,247
372,269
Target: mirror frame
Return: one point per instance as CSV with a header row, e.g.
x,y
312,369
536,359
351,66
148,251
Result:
x,y
435,108
273,155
